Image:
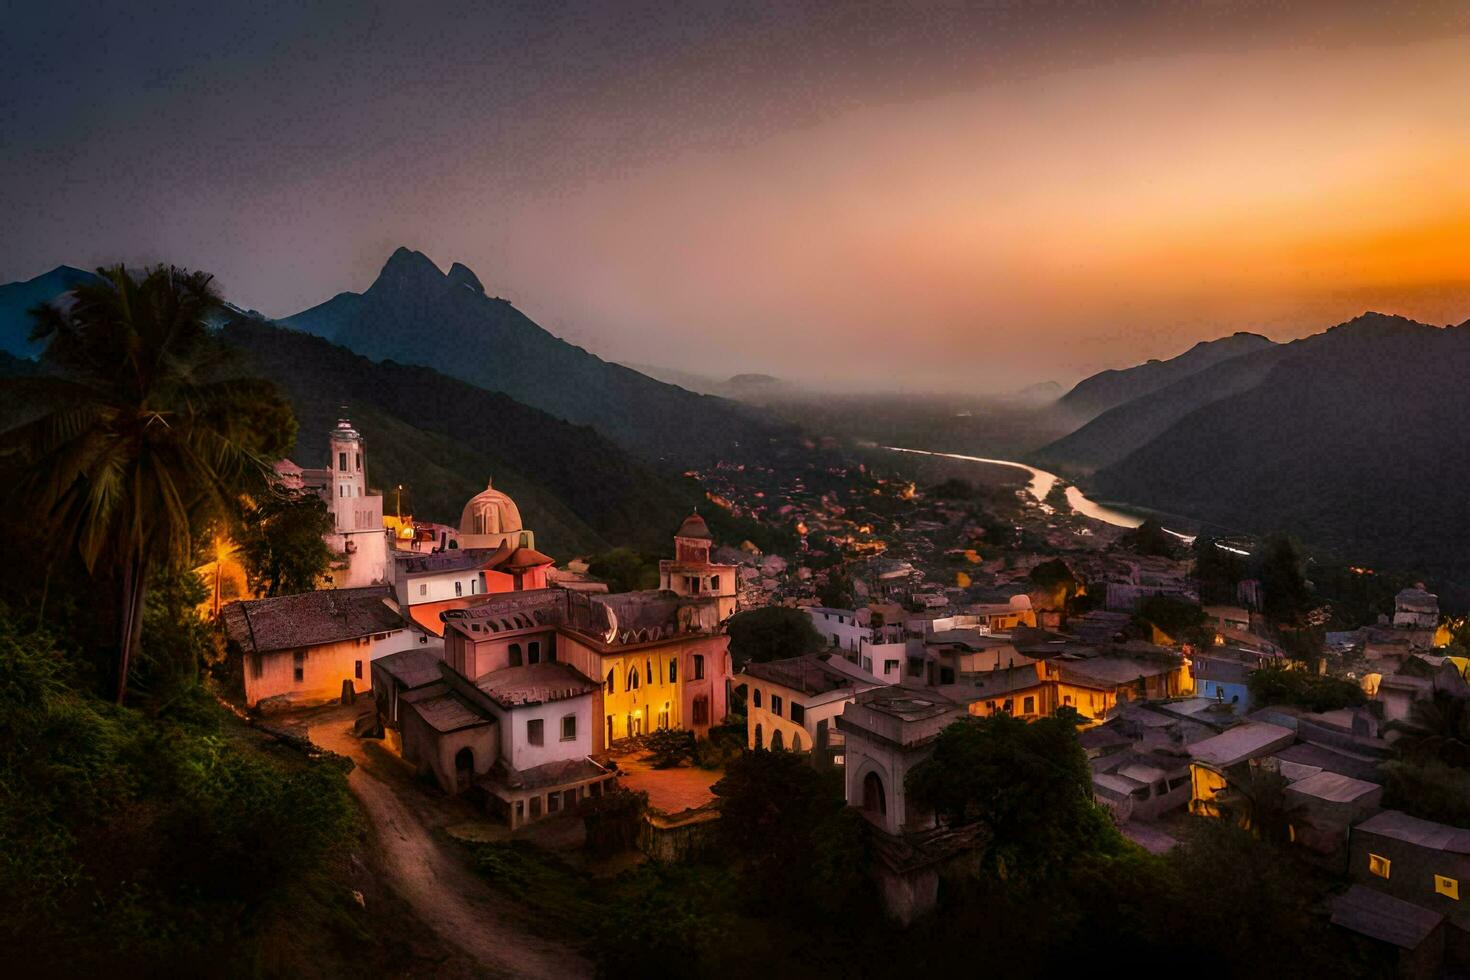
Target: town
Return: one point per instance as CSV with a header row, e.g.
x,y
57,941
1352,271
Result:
x,y
529,689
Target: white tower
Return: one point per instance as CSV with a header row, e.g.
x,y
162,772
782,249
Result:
x,y
349,479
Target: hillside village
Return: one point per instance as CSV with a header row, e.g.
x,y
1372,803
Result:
x,y
527,687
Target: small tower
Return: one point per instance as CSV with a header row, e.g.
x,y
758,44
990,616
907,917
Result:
x,y
349,479
692,574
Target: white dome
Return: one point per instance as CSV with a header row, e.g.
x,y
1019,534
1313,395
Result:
x,y
490,512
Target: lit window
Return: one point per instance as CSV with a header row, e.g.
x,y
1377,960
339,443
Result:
x,y
569,728
535,731
1378,865
633,679
1448,887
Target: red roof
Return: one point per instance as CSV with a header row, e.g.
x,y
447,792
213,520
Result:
x,y
528,558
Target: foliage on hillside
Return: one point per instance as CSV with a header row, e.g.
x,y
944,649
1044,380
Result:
x,y
772,633
1303,689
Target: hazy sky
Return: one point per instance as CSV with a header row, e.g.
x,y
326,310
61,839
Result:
x,y
933,195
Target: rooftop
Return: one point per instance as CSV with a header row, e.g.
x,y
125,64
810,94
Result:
x,y
1412,830
1333,787
814,674
444,710
535,684
1244,741
411,668
311,618
1385,918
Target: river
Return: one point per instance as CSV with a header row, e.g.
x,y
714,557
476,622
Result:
x,y
1041,484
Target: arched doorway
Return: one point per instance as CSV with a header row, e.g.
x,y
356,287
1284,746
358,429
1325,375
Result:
x,y
778,741
760,740
796,742
875,801
464,768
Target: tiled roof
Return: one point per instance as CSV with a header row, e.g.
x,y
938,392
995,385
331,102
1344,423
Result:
x,y
444,710
809,675
547,774
411,668
311,618
694,527
535,684
454,560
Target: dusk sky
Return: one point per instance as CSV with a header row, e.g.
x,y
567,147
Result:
x,y
925,197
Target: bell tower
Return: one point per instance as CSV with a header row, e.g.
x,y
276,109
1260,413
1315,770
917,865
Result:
x,y
349,478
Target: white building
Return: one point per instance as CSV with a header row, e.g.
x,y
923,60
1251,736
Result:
x,y
359,534
794,704
877,650
886,733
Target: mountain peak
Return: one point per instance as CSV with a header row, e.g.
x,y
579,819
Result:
x,y
406,264
461,275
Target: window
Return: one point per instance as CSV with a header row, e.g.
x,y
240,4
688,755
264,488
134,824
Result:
x,y
459,588
699,666
776,705
359,460
536,731
609,686
1448,887
633,679
342,462
1009,707
359,670
553,802
569,728
533,652
648,672
423,588
798,713
890,667
1378,865
515,654
836,640
673,669
701,711
755,694
868,664
298,662
714,583
1028,705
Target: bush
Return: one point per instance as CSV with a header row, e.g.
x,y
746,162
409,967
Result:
x,y
1430,791
773,633
613,820
1303,689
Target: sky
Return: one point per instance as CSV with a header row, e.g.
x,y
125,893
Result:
x,y
923,197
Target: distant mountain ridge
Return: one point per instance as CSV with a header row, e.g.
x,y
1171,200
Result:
x,y
18,298
415,314
1092,396
1353,438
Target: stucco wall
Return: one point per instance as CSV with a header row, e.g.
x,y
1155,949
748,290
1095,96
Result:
x,y
428,749
515,741
770,723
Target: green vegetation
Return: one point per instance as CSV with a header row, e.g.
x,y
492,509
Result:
x,y
1304,689
1438,730
1287,594
772,633
280,541
163,838
1430,790
625,570
1028,783
1217,571
670,747
1182,620
153,440
837,591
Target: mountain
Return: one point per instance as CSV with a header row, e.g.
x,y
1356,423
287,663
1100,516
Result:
x,y
1108,389
17,299
415,314
1353,439
441,438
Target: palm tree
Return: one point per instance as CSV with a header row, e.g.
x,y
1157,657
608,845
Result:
x,y
1438,727
148,438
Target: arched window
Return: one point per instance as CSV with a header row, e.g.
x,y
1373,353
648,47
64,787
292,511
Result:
x,y
633,679
533,652
755,696
610,686
699,666
874,799
760,741
515,654
778,741
648,672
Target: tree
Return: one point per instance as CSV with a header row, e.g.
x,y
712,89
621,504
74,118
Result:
x,y
1150,538
624,570
151,440
1029,783
281,541
1278,685
1057,579
836,592
1438,729
773,633
1287,597
1216,570
1182,620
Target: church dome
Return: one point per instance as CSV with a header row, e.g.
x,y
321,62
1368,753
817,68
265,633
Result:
x,y
490,512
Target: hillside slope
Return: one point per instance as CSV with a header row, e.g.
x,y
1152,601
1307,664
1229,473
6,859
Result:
x,y
1109,389
1354,439
17,298
415,314
442,439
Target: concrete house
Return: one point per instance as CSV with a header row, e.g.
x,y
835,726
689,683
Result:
x,y
794,704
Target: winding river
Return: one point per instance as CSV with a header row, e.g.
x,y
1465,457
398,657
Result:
x,y
1041,484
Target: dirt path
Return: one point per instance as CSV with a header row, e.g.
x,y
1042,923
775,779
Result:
x,y
422,869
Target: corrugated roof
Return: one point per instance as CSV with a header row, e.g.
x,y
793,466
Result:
x,y
1333,787
1412,830
1235,745
444,710
1383,917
